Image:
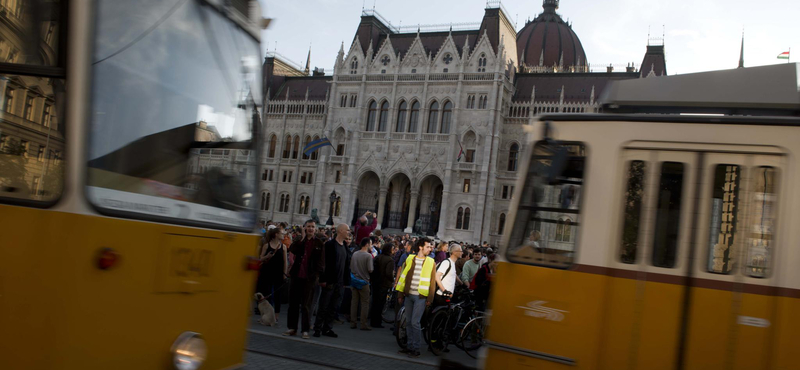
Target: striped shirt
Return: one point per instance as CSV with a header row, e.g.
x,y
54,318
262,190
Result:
x,y
418,262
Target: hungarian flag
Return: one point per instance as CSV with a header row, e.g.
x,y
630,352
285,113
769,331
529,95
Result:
x,y
784,55
461,152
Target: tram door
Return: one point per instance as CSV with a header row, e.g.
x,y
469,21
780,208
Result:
x,y
646,294
729,317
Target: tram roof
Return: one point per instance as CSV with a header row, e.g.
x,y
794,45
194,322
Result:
x,y
767,90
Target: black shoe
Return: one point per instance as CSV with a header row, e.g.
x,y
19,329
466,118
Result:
x,y
316,333
329,333
404,351
379,326
414,354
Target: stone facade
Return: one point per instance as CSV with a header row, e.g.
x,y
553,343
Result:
x,y
429,138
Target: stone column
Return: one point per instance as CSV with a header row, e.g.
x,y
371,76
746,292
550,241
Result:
x,y
381,205
412,208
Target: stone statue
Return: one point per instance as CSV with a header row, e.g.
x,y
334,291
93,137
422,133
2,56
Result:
x,y
314,216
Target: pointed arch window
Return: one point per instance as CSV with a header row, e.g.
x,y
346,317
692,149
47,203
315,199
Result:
x,y
501,224
287,147
284,205
383,122
513,155
305,144
413,118
482,63
371,117
273,143
433,117
303,206
354,66
337,207
447,114
265,198
315,154
462,218
402,111
296,147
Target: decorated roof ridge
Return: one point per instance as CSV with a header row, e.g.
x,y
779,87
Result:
x,y
547,88
431,42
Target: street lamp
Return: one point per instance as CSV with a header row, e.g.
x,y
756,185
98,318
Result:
x,y
433,207
332,198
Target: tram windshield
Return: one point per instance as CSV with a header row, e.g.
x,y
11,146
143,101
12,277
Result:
x,y
174,99
547,219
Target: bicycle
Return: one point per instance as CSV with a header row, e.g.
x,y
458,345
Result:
x,y
388,314
401,321
471,338
447,322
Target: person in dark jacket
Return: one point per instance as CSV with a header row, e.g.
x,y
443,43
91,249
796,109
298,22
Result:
x,y
309,264
382,282
331,282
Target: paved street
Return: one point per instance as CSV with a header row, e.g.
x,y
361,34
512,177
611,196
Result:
x,y
353,350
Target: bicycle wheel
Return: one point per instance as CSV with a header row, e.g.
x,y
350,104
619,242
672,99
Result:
x,y
437,329
387,314
472,336
400,333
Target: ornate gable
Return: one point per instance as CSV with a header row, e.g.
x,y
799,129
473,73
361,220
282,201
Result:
x,y
484,47
447,57
355,52
416,60
385,58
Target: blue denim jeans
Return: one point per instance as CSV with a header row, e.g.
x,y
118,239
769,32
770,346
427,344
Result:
x,y
415,307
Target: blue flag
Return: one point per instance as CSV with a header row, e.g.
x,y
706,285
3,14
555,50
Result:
x,y
316,144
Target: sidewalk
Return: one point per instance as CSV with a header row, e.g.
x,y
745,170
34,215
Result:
x,y
352,349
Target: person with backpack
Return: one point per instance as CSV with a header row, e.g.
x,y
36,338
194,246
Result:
x,y
446,276
361,267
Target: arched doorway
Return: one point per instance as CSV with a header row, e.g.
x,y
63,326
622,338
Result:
x,y
429,207
398,201
367,194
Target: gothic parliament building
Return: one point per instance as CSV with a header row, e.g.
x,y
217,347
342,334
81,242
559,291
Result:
x,y
426,124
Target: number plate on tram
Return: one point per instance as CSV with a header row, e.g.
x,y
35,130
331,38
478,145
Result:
x,y
186,264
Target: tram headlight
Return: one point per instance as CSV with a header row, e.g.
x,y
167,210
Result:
x,y
188,351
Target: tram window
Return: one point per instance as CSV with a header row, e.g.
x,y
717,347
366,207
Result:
x,y
762,230
548,214
668,214
724,217
29,39
634,194
158,93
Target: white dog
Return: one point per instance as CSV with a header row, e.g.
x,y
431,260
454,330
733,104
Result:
x,y
267,312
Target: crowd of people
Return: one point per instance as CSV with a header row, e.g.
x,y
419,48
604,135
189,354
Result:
x,y
318,270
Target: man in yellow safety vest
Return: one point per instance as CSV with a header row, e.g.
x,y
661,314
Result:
x,y
415,288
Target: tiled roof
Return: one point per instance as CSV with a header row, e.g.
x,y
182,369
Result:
x,y
317,87
654,60
577,86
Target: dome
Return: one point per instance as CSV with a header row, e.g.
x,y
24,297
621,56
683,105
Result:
x,y
548,41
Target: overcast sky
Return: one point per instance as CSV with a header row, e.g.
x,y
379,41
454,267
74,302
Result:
x,y
701,35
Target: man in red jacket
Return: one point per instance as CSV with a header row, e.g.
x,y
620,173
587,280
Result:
x,y
363,230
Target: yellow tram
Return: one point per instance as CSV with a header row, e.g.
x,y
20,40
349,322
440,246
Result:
x,y
127,162
675,247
